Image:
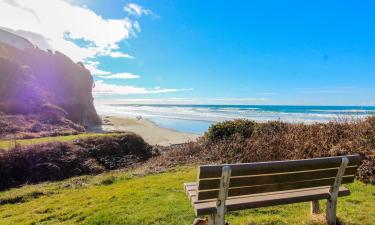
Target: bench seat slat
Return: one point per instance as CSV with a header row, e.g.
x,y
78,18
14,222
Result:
x,y
209,184
203,195
246,169
267,199
190,186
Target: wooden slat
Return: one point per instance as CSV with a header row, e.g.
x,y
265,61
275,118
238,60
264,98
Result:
x,y
190,186
246,169
275,178
211,194
192,193
191,190
269,199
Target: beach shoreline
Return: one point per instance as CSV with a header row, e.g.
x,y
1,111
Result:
x,y
148,130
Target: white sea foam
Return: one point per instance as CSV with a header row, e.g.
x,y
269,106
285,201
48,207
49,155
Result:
x,y
217,114
346,111
196,119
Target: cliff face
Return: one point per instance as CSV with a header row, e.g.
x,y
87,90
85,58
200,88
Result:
x,y
33,81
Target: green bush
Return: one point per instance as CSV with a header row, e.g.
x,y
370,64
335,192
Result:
x,y
226,129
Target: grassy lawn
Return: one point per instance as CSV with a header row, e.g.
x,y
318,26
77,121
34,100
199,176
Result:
x,y
121,198
7,144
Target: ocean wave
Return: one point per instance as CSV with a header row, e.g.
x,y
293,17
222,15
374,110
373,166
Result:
x,y
345,110
216,114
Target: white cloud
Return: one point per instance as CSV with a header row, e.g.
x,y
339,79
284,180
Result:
x,y
101,88
62,24
136,10
137,27
93,67
120,76
120,55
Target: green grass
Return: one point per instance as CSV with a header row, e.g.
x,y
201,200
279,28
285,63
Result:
x,y
121,198
8,144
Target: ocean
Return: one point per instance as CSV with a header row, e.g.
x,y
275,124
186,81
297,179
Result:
x,y
197,118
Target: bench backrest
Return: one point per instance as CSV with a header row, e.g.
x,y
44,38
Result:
x,y
262,177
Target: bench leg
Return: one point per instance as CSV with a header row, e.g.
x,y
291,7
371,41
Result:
x,y
223,193
331,212
220,216
315,208
333,192
211,219
215,219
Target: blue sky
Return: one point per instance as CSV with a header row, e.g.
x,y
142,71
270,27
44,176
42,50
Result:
x,y
245,52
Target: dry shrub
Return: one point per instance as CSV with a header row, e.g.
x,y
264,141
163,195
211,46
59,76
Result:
x,y
278,141
117,151
60,160
41,162
175,155
37,125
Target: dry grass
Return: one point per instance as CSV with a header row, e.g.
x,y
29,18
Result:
x,y
36,126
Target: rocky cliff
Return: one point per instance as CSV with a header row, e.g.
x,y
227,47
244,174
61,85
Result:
x,y
36,82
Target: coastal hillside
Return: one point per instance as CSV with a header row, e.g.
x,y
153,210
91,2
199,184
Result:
x,y
129,170
238,141
44,85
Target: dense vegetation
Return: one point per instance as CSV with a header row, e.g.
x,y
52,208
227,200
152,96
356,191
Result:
x,y
60,160
227,142
247,141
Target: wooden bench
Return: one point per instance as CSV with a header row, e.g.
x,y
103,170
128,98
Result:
x,y
231,187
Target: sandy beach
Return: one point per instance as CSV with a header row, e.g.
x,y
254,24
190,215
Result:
x,y
150,132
